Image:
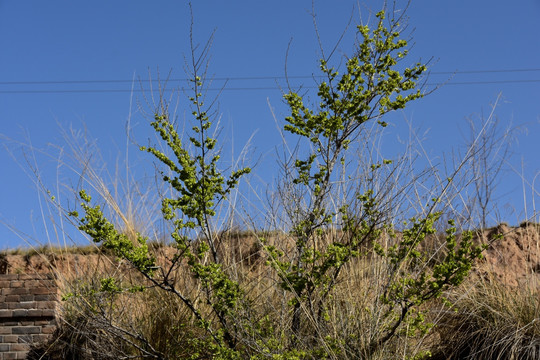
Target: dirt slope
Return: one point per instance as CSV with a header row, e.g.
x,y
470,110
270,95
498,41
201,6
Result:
x,y
513,256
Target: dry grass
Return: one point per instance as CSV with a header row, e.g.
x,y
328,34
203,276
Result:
x,y
156,323
491,321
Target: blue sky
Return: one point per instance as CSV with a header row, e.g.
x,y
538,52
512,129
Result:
x,y
48,47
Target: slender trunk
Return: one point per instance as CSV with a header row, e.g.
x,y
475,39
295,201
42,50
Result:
x,y
295,325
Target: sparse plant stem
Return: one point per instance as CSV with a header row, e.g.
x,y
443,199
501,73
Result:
x,y
199,185
367,90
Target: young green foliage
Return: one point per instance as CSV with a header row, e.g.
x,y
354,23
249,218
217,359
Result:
x,y
413,283
371,85
197,185
95,224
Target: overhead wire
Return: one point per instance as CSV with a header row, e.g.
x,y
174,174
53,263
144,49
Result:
x,y
241,78
247,78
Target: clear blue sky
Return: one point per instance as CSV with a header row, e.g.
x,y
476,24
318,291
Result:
x,y
43,42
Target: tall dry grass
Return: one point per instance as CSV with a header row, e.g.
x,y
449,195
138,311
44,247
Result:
x,y
491,320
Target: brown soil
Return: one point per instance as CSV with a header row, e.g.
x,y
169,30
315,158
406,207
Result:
x,y
513,256
514,253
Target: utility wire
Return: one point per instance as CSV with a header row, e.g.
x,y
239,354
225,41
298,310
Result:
x,y
240,88
245,78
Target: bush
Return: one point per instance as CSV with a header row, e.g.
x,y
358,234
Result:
x,y
338,280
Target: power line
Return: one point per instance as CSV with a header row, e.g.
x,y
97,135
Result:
x,y
465,83
244,78
489,82
483,71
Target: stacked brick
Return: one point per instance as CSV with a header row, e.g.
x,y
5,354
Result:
x,y
27,312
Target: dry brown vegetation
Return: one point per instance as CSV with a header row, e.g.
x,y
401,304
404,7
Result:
x,y
493,314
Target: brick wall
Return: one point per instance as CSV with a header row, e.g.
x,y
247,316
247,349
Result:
x,y
27,312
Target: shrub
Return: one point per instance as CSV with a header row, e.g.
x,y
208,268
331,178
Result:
x,y
296,304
